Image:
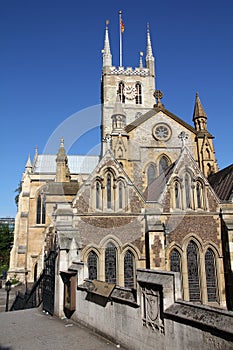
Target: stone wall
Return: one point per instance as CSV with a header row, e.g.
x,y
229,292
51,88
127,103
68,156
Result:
x,y
156,317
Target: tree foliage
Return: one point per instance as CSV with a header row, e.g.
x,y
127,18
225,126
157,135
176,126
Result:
x,y
18,190
6,242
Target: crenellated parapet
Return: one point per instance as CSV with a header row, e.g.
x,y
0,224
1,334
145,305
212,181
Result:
x,y
129,71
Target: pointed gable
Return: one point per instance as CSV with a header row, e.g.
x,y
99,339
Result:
x,y
108,176
161,188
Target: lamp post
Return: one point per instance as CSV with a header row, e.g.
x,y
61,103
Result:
x,y
7,289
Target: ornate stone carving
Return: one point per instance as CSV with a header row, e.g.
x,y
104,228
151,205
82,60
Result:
x,y
151,301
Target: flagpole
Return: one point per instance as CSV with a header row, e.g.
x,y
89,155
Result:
x,y
120,32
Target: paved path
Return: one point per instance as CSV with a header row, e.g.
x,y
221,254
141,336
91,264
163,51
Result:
x,y
34,330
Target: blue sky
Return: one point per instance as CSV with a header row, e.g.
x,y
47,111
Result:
x,y
50,69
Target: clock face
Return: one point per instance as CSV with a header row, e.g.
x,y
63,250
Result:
x,y
161,132
130,92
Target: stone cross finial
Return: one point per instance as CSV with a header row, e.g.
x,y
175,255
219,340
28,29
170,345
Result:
x,y
158,95
183,137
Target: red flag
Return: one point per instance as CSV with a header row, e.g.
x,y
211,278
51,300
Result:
x,y
122,26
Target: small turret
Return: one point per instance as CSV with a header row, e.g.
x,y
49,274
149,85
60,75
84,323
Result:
x,y
199,115
150,64
28,166
118,117
107,57
62,169
205,147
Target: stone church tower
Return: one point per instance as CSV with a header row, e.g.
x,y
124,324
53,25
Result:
x,y
145,202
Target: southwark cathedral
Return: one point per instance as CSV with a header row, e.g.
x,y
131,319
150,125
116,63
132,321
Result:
x,y
153,199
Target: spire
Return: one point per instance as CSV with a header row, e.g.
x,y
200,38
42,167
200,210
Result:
x,y
107,57
199,115
62,169
28,165
61,155
149,54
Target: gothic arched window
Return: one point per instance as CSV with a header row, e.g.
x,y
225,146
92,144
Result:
x,y
97,195
163,164
199,195
121,92
150,174
138,98
177,195
120,189
193,272
187,191
109,191
129,269
210,275
110,263
175,261
41,210
92,262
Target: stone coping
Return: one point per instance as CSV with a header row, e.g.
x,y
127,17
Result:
x,y
214,320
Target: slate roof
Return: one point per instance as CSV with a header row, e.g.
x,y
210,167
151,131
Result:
x,y
46,164
222,182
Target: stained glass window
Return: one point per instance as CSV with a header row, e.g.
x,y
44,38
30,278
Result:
x,y
129,269
193,273
175,261
110,263
210,275
92,265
